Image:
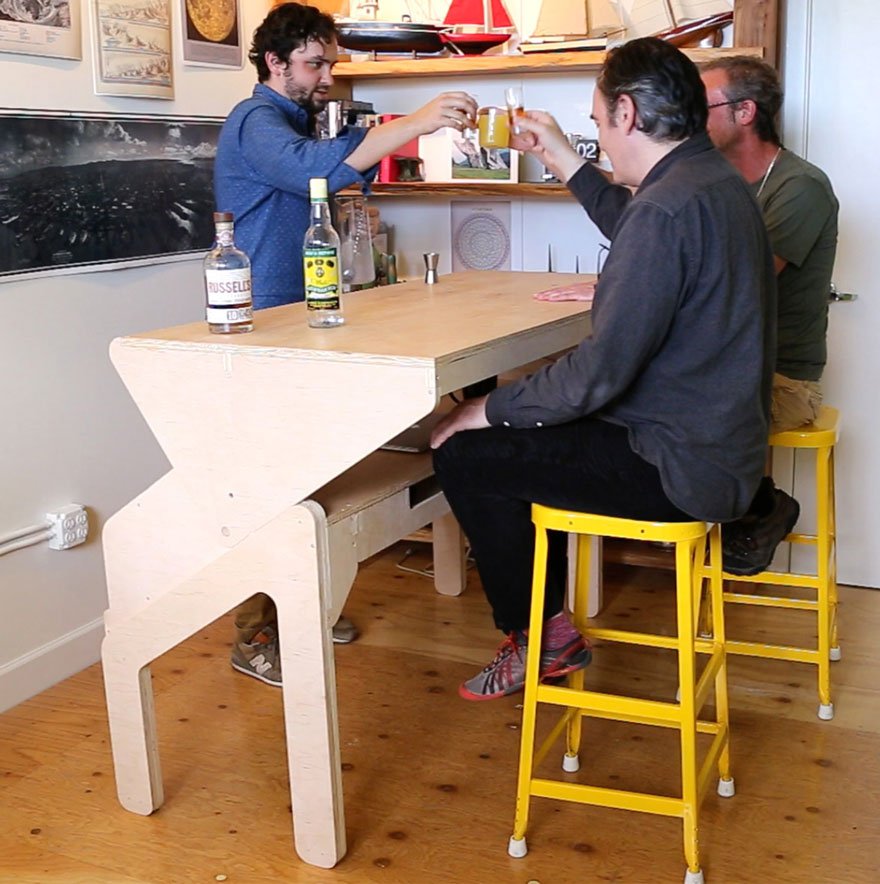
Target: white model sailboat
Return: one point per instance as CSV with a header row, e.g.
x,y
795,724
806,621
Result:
x,y
574,24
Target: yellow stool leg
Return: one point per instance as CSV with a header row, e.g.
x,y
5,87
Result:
x,y
823,568
517,845
832,568
583,568
684,566
722,701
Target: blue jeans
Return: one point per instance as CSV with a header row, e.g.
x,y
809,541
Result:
x,y
491,478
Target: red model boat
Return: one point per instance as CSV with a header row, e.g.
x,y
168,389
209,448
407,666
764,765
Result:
x,y
476,26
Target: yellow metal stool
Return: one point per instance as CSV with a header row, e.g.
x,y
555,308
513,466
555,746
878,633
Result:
x,y
821,436
690,553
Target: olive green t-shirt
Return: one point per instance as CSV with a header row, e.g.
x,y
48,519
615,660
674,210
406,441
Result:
x,y
800,211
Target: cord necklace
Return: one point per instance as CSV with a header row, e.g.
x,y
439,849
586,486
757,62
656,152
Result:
x,y
767,173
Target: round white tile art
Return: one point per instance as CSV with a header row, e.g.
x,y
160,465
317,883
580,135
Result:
x,y
482,242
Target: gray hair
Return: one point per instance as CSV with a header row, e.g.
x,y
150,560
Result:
x,y
750,79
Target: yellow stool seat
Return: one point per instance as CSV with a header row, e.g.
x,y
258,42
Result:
x,y
683,714
820,436
822,433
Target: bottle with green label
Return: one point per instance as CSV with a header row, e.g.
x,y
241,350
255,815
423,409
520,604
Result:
x,y
322,274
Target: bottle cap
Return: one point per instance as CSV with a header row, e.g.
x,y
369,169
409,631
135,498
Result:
x,y
318,188
223,217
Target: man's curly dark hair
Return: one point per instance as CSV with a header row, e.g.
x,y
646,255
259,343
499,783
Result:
x,y
288,27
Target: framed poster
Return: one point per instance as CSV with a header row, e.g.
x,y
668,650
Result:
x,y
132,43
41,27
211,33
84,192
450,156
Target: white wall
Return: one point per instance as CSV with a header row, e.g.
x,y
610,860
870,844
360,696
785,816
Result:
x,y
68,430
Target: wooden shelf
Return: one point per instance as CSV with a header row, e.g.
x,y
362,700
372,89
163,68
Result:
x,y
472,65
422,189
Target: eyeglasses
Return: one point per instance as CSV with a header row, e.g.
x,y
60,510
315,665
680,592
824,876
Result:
x,y
724,103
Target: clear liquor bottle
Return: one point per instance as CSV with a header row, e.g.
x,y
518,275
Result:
x,y
229,304
322,275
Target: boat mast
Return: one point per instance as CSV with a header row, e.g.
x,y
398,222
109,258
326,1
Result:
x,y
487,15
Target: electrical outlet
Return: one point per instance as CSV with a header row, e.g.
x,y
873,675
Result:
x,y
70,526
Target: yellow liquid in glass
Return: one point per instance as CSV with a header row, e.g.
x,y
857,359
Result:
x,y
492,126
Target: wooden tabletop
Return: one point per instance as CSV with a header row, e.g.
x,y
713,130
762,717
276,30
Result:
x,y
462,312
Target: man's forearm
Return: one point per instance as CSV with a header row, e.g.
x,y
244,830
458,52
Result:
x,y
381,141
603,201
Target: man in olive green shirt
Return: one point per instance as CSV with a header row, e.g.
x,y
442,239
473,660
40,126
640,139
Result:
x,y
800,212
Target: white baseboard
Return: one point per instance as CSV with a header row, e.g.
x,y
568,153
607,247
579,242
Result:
x,y
45,666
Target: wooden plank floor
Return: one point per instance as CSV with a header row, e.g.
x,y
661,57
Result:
x,y
429,778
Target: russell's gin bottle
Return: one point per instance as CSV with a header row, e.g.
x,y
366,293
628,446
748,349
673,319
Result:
x,y
321,271
228,282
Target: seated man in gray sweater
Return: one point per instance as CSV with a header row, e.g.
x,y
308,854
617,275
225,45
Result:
x,y
662,411
800,211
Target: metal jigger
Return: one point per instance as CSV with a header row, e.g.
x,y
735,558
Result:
x,y
431,259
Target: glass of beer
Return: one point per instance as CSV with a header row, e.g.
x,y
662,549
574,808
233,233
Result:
x,y
492,127
513,97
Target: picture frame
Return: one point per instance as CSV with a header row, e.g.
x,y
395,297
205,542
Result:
x,y
132,48
211,33
50,28
456,157
91,191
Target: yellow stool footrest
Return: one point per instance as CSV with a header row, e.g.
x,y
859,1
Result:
x,y
604,797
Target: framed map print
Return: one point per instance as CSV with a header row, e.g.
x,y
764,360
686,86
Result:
x,y
132,40
41,27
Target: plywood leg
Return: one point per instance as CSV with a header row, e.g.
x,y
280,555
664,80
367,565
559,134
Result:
x,y
132,730
289,559
310,711
449,556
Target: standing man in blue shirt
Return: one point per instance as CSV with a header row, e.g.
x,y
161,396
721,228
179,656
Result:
x,y
267,150
266,154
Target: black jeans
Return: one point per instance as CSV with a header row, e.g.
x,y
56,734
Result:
x,y
491,477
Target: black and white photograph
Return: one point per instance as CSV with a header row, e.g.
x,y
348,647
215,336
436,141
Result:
x,y
211,33
83,192
41,27
132,40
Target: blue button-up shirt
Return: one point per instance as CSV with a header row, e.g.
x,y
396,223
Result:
x,y
266,155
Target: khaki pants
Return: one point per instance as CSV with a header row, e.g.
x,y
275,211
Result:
x,y
793,403
251,616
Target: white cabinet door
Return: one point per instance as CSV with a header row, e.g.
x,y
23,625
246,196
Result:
x,y
832,117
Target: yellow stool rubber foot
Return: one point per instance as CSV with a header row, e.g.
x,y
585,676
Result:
x,y
571,763
517,847
726,788
826,711
693,877
834,654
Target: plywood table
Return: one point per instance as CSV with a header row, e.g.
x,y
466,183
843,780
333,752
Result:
x,y
269,490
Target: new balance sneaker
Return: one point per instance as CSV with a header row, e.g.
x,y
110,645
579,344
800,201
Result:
x,y
748,545
344,631
259,657
506,674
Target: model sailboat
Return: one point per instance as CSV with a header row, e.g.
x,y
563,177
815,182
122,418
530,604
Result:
x,y
566,25
477,25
